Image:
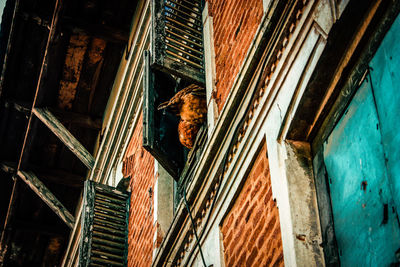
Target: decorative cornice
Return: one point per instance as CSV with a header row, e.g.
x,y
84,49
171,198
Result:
x,y
274,55
268,73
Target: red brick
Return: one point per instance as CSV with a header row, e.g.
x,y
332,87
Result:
x,y
256,189
231,43
228,223
252,257
241,259
249,212
261,239
141,229
228,239
258,215
268,196
237,238
278,261
259,232
242,212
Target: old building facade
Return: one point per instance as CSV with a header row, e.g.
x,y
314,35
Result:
x,y
297,162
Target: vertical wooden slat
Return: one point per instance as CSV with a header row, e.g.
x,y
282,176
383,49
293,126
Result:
x,y
87,224
177,38
104,226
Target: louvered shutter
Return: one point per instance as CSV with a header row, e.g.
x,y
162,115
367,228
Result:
x,y
177,38
160,128
104,226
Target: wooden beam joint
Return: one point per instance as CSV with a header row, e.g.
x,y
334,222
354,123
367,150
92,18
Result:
x,y
64,135
47,196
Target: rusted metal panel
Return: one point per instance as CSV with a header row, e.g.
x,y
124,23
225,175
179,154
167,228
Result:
x,y
366,225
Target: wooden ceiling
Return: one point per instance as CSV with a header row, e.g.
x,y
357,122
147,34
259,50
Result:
x,y
57,71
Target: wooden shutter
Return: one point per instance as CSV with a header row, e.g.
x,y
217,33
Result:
x,y
160,128
177,38
104,226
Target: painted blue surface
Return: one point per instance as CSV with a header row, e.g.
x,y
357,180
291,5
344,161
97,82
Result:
x,y
386,84
360,187
362,158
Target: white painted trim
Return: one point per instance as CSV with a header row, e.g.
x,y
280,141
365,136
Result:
x,y
267,4
118,115
141,40
209,60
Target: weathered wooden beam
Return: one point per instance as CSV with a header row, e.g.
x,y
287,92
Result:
x,y
52,175
47,196
82,120
42,73
104,32
64,135
59,176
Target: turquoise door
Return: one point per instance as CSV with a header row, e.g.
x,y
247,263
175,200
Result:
x,y
385,76
362,159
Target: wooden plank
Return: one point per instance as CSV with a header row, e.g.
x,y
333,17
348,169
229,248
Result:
x,y
47,196
102,236
64,135
42,73
104,32
79,119
85,247
164,56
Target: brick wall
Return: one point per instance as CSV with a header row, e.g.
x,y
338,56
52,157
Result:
x,y
251,230
139,164
235,23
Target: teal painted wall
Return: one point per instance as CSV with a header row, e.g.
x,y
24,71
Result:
x,y
362,159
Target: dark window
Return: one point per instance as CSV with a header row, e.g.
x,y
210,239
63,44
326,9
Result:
x,y
104,226
176,61
160,127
